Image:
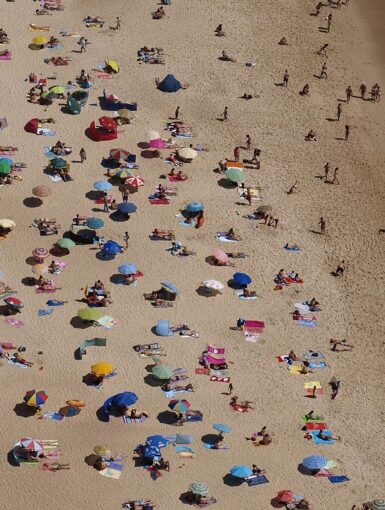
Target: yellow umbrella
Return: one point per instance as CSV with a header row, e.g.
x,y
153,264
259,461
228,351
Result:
x,y
40,40
113,65
102,368
187,153
7,223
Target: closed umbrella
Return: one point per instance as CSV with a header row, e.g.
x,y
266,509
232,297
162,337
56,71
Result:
x,y
102,185
112,64
102,368
58,163
90,314
182,406
35,398
34,445
14,301
222,427
41,191
127,269
195,207
170,287
153,135
135,181
5,166
242,278
5,223
40,253
58,89
162,372
95,223
107,122
127,208
187,153
213,284
241,471
40,40
220,255
119,153
315,462
285,496
112,248
199,488
157,441
235,175
65,243
103,450
157,143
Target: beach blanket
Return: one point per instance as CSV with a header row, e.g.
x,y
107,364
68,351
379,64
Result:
x,y
51,415
251,337
202,371
114,470
222,237
159,201
315,426
318,440
338,479
311,384
240,409
317,364
107,322
316,419
244,298
127,419
295,369
215,350
318,392
174,178
44,311
256,480
307,323
14,322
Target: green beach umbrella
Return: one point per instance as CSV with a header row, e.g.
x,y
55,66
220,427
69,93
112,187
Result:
x,y
58,89
66,243
90,314
162,372
199,488
5,166
235,175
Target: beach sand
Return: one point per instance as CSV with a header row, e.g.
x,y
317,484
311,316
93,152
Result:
x,y
277,121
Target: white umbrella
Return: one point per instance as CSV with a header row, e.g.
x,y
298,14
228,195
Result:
x,y
7,223
213,284
187,153
153,135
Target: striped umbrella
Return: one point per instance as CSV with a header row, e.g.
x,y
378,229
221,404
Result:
x,y
123,172
315,462
182,406
199,488
31,444
135,181
35,398
40,253
103,450
95,223
119,153
41,191
378,504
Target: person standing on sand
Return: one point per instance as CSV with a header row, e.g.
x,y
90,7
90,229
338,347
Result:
x,y
125,195
82,155
324,71
105,202
327,169
248,196
117,23
225,114
348,92
329,20
363,90
126,238
339,111
335,176
237,153
347,132
285,78
248,142
322,225
340,269
176,116
230,389
318,8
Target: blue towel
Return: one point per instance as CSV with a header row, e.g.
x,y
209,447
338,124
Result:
x,y
318,364
44,311
318,440
53,302
184,224
180,448
257,480
309,324
338,479
169,394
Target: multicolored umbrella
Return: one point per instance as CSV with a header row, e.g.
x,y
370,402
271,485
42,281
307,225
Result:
x,y
103,450
102,368
102,185
13,301
123,172
157,441
41,191
35,398
162,372
135,181
119,153
34,445
40,253
199,488
90,314
107,122
95,223
182,406
65,243
241,471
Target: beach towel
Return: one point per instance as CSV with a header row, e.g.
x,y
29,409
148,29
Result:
x,y
159,201
215,350
55,178
215,361
39,290
174,178
317,364
44,311
240,409
107,322
318,392
15,363
114,470
14,322
50,415
323,473
127,419
182,448
338,479
186,455
313,355
315,426
316,419
295,370
224,239
318,440
219,373
239,294
251,337
202,371
256,480
311,384
6,57
210,446
307,323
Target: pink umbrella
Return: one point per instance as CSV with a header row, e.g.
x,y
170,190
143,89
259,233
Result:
x,y
220,255
157,144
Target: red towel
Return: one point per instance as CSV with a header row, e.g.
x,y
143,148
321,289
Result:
x,y
316,426
159,201
174,178
202,371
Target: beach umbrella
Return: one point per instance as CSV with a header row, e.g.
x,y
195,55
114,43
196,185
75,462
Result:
x,y
162,372
5,223
378,504
75,403
214,285
157,143
170,287
103,450
199,488
95,223
102,368
194,207
153,135
65,243
41,191
150,452
119,153
285,496
235,175
182,406
125,113
241,471
32,126
135,181
5,166
74,106
102,185
220,255
40,40
69,411
127,208
58,89
14,301
125,399
242,278
315,462
39,269
222,427
123,172
90,314
112,248
157,441
107,122
35,398
127,269
58,163
187,153
31,444
112,64
40,253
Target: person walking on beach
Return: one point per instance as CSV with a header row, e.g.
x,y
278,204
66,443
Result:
x,y
339,111
340,269
363,90
225,114
347,132
327,169
105,202
329,20
117,23
378,94
126,238
324,71
82,155
322,50
348,92
125,195
176,116
322,225
230,389
248,142
83,45
335,176
335,387
237,153
248,196
285,78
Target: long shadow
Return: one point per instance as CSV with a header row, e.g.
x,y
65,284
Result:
x,y
24,411
148,154
29,281
225,183
92,195
204,292
209,438
119,216
91,459
104,256
331,120
78,323
101,415
275,503
117,279
151,381
315,232
143,145
32,202
232,481
167,418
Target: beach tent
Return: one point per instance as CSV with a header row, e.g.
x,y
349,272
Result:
x,y
106,131
169,84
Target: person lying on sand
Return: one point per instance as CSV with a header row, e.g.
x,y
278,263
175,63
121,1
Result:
x,y
227,57
343,343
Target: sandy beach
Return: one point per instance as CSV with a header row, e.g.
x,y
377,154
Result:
x,y
277,119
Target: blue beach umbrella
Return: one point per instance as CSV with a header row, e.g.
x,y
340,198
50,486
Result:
x,y
127,208
58,163
315,462
242,278
151,451
127,269
171,287
102,185
158,441
95,223
112,248
241,471
194,207
221,427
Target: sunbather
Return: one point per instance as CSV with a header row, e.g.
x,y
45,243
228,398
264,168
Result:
x,y
55,466
22,361
248,293
343,343
227,57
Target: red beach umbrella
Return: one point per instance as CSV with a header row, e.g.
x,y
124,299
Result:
x,y
107,122
135,181
119,153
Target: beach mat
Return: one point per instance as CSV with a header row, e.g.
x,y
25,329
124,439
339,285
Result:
x,y
318,440
316,426
318,419
174,178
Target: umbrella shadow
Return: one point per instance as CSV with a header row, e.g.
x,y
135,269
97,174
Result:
x,y
143,145
101,255
78,323
148,154
187,498
31,261
234,285
117,279
12,460
232,481
148,369
92,195
151,381
305,471
205,292
209,438
91,459
24,411
89,379
29,281
110,163
65,109
119,217
275,503
102,416
225,183
167,418
32,202
211,260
